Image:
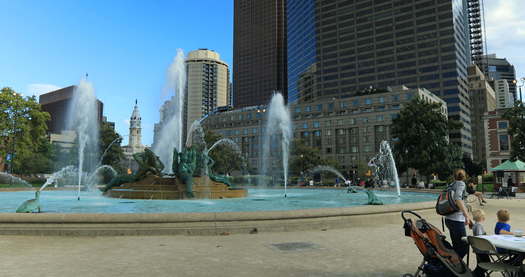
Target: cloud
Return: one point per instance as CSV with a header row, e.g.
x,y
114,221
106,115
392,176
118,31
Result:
x,y
505,21
505,30
38,89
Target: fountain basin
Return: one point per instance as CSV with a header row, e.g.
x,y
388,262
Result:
x,y
263,210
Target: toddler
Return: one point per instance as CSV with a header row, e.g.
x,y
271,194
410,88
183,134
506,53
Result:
x,y
479,218
503,226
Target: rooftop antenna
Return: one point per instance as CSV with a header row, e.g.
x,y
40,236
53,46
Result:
x,y
86,76
135,102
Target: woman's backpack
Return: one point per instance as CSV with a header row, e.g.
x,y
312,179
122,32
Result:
x,y
446,204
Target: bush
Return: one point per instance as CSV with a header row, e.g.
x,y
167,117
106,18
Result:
x,y
489,187
488,178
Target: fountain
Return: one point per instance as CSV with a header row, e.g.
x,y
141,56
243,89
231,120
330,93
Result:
x,y
6,178
385,170
59,174
278,125
327,168
119,138
228,142
191,176
172,130
92,178
84,119
372,198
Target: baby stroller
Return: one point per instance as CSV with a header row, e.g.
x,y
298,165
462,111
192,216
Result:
x,y
439,259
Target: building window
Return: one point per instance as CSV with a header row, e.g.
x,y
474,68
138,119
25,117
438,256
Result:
x,y
368,101
297,109
351,121
320,107
504,143
331,107
305,125
355,102
381,100
380,118
308,109
503,124
354,149
316,124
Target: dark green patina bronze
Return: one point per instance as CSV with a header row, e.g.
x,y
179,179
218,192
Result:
x,y
190,162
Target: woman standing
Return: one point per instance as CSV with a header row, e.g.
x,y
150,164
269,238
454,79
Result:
x,y
456,221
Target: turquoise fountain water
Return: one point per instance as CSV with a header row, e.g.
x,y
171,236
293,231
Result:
x,y
257,200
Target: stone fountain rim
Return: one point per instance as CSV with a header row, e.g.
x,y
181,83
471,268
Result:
x,y
155,218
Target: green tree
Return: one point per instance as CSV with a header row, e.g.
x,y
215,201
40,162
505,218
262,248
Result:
x,y
472,168
111,151
23,133
226,159
516,118
304,158
421,139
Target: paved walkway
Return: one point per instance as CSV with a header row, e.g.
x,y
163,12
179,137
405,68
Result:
x,y
374,249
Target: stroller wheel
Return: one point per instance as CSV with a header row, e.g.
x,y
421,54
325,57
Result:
x,y
408,275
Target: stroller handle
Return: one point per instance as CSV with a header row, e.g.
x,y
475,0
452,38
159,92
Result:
x,y
409,212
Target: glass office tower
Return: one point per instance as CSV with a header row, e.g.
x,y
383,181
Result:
x,y
259,51
359,44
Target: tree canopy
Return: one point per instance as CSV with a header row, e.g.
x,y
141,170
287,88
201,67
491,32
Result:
x,y
304,158
421,139
516,118
23,133
111,152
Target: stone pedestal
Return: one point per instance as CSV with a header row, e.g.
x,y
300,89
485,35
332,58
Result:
x,y
154,187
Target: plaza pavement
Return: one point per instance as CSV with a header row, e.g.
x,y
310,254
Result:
x,y
373,248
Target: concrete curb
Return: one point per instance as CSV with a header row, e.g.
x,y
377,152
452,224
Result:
x,y
201,223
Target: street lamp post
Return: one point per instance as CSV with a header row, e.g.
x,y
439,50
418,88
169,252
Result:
x,y
13,139
519,83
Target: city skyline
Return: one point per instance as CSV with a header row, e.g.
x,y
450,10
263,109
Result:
x,y
127,59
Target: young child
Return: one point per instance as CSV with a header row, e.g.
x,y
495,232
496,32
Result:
x,y
503,226
479,218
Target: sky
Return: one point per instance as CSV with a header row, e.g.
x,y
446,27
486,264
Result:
x,y
126,46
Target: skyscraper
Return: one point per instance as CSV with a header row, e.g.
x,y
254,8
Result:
x,y
476,20
339,47
483,99
208,81
504,98
499,68
259,51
